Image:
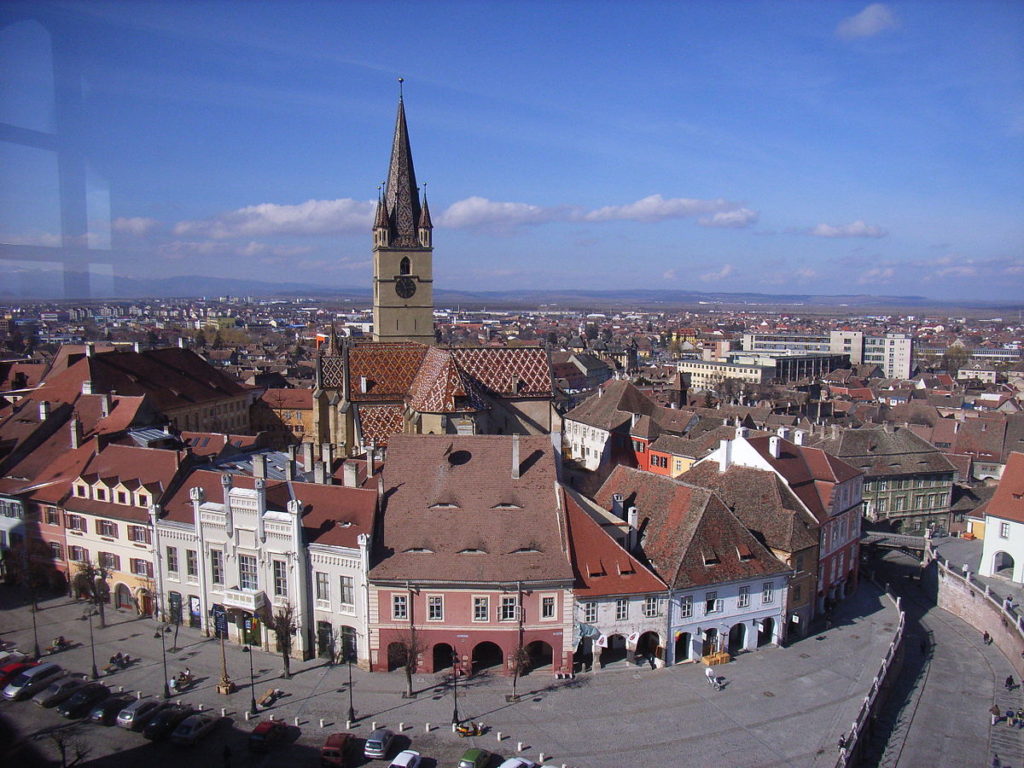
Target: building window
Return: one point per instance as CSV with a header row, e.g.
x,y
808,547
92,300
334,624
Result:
x,y
109,562
323,589
768,592
1004,530
101,494
141,568
621,609
78,554
686,607
348,592
435,608
52,516
247,575
280,578
56,550
172,560
508,608
399,607
139,534
744,599
711,603
217,566
75,523
481,608
797,594
650,607
122,497
547,607
590,612
191,563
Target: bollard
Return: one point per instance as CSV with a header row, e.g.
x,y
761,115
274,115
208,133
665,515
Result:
x,y
373,726
426,728
223,712
200,707
401,727
321,723
348,723
178,702
519,746
453,727
247,715
499,735
271,717
120,689
138,694
296,721
540,757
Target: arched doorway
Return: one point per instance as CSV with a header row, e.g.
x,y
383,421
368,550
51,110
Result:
x,y
614,651
540,654
487,655
442,657
648,646
1002,565
123,597
682,649
765,631
145,602
737,638
709,642
397,655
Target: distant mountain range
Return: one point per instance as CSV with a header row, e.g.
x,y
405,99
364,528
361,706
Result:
x,y
51,286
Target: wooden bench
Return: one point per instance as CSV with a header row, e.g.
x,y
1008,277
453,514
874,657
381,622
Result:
x,y
267,698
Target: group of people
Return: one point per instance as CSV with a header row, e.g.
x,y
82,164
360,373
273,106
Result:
x,y
180,681
120,660
1014,718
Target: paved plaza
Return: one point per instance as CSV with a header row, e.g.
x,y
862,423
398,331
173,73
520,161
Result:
x,y
780,706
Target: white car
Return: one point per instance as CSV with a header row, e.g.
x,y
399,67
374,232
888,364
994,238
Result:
x,y
406,759
519,762
193,728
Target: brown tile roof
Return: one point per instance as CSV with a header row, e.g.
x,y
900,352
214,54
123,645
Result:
x,y
601,565
378,424
688,535
880,452
292,399
509,372
154,468
1008,500
387,367
612,407
453,511
440,386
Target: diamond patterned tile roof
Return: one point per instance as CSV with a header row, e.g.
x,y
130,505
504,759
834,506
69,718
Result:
x,y
379,422
441,387
515,372
389,369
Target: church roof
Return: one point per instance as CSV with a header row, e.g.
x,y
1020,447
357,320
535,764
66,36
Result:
x,y
401,195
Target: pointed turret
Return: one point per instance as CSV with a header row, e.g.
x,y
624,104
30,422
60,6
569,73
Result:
x,y
426,227
401,195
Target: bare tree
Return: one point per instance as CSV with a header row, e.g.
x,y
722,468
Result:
x,y
283,623
90,582
411,648
70,741
519,660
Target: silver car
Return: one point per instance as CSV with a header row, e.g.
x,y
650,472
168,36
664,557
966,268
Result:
x,y
135,716
193,728
60,690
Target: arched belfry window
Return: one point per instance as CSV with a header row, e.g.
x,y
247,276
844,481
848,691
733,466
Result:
x,y
403,266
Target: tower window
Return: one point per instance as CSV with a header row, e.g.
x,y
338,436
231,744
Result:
x,y
404,266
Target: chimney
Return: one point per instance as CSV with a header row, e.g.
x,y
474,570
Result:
x,y
515,457
261,507
364,384
835,431
632,519
741,432
617,506
327,455
290,472
887,426
320,473
798,436
87,388
225,483
773,446
181,342
371,469
307,457
259,465
350,476
725,452
104,405
76,433
291,452
90,349
44,410
781,432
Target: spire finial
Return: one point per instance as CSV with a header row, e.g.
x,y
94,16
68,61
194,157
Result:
x,y
401,92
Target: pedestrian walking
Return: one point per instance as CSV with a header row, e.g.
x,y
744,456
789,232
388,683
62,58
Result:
x,y
1009,682
709,673
995,712
985,638
1011,718
842,741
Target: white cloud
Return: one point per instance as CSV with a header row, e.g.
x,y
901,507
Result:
x,y
855,229
724,272
313,217
960,270
138,225
874,19
474,212
668,274
876,275
741,217
180,249
658,208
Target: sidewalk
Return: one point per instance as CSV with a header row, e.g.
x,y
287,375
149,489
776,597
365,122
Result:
x,y
780,706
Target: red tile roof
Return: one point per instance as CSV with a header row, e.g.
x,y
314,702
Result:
x,y
1008,500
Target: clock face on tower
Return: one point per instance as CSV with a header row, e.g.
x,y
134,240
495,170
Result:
x,y
405,287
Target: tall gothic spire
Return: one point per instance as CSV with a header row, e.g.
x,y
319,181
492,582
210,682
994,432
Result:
x,y
401,195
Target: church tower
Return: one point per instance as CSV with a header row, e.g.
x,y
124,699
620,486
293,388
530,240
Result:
x,y
403,282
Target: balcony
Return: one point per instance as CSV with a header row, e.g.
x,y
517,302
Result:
x,y
250,600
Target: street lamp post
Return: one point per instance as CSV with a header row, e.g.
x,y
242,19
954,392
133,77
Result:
x,y
35,632
92,643
252,682
351,708
455,688
163,655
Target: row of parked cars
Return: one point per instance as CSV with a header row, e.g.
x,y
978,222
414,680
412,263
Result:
x,y
75,696
337,753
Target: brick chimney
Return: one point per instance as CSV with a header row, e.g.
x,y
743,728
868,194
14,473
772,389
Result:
x,y
515,457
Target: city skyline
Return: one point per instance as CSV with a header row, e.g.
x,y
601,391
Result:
x,y
832,148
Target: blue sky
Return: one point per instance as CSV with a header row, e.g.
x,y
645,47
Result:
x,y
825,147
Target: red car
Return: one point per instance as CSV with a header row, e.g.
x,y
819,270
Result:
x,y
10,671
267,734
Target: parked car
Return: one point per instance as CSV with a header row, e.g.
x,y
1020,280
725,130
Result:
x,y
519,762
406,759
139,712
10,671
59,690
105,713
193,728
266,735
337,750
11,657
378,743
165,721
475,758
83,700
32,680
